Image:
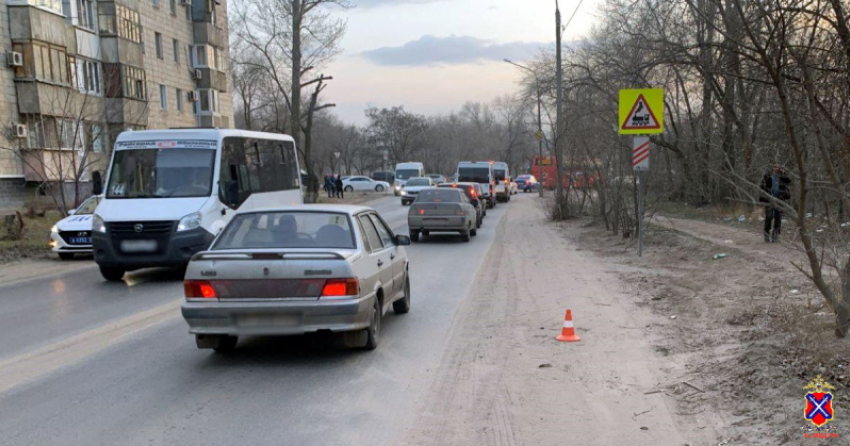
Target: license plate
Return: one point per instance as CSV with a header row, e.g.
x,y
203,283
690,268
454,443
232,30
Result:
x,y
81,240
138,245
267,320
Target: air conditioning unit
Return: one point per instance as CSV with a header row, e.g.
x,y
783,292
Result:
x,y
193,96
14,59
197,74
21,131
186,2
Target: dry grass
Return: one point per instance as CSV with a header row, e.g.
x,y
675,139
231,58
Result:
x,y
33,245
746,330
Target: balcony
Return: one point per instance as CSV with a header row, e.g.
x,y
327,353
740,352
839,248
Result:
x,y
29,23
212,78
40,98
207,33
42,165
128,112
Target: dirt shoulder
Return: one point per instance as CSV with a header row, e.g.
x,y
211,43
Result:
x,y
505,380
742,335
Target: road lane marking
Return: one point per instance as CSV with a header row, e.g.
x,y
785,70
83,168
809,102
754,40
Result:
x,y
45,360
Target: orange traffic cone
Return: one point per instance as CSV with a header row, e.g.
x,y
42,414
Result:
x,y
568,333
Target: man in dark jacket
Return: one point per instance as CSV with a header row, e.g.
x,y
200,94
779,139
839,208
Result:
x,y
775,184
339,193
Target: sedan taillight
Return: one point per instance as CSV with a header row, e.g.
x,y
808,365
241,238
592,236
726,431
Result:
x,y
341,287
198,289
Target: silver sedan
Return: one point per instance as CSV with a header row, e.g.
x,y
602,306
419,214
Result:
x,y
297,270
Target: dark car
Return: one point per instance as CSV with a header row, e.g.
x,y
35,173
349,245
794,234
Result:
x,y
384,175
527,183
473,192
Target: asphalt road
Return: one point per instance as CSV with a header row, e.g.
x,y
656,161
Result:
x,y
85,362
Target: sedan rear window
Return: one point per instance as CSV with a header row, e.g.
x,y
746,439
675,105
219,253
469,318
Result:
x,y
438,196
287,230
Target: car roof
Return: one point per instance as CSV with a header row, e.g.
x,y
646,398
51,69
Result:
x,y
338,208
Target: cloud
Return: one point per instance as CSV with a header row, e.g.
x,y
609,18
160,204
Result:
x,y
370,4
453,50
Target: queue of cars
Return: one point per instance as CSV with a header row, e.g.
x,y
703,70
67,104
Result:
x,y
258,261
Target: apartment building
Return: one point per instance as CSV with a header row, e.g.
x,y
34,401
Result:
x,y
78,72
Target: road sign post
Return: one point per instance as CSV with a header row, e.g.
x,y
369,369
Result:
x,y
641,113
640,163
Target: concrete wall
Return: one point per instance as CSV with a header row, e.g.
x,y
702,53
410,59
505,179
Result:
x,y
9,163
165,71
13,193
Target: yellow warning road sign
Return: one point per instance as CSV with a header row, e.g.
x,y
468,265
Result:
x,y
641,111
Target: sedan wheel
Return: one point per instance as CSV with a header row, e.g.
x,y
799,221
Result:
x,y
402,306
374,331
379,188
465,235
414,236
348,189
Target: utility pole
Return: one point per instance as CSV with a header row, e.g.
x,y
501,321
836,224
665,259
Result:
x,y
559,115
539,135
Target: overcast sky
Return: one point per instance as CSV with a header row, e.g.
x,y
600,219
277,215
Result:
x,y
433,55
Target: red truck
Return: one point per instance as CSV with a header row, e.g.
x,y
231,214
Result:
x,y
549,175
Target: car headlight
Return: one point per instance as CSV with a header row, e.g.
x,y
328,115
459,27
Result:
x,y
404,192
189,222
54,229
97,224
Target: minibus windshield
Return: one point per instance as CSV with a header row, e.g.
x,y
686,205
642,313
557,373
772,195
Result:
x,y
161,173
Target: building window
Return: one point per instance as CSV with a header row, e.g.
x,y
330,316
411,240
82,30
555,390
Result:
x,y
53,5
207,103
129,24
163,97
155,3
172,6
134,82
175,45
71,132
85,13
95,137
179,100
191,56
206,56
85,75
43,62
189,10
157,39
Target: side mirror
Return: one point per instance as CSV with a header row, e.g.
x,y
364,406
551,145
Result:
x,y
72,212
402,240
96,184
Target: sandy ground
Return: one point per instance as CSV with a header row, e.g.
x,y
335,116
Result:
x,y
742,334
506,381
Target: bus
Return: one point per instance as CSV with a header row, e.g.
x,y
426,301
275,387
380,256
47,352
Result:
x,y
168,193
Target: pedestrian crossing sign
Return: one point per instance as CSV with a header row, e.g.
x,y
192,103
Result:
x,y
641,111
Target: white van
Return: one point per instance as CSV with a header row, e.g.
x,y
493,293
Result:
x,y
503,181
169,192
406,171
479,172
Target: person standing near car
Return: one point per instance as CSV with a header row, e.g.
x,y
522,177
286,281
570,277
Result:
x,y
329,185
775,184
339,191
